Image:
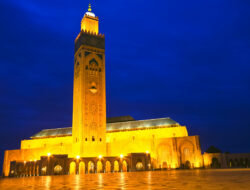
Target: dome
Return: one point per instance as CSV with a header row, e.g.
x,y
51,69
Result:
x,y
90,14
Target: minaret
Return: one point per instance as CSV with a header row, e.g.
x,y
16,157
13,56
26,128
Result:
x,y
89,94
90,22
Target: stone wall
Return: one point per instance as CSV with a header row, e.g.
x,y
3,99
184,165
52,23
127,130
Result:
x,y
224,160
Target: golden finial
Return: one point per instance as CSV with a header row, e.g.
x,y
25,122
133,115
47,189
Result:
x,y
89,9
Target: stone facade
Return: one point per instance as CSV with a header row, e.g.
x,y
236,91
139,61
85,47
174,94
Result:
x,y
226,160
62,165
168,145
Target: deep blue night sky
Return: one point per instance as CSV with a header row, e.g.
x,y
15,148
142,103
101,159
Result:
x,y
188,60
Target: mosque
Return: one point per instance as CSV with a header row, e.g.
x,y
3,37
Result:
x,y
95,143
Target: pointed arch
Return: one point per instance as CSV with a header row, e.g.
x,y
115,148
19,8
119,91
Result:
x,y
72,168
187,151
99,167
91,167
164,155
108,167
116,166
93,62
124,166
94,57
164,165
82,167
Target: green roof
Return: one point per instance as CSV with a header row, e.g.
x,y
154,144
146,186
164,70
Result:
x,y
120,119
112,127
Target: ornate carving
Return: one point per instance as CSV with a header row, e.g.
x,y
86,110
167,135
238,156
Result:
x,y
99,55
89,40
87,53
93,107
77,68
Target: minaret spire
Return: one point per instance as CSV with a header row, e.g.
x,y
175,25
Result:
x,y
89,9
90,22
89,12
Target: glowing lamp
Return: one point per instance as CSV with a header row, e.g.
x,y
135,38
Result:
x,y
174,166
77,157
147,152
49,154
197,164
121,156
100,156
149,166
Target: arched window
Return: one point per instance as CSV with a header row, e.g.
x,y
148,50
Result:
x,y
93,67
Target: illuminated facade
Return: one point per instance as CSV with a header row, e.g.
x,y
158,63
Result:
x,y
94,144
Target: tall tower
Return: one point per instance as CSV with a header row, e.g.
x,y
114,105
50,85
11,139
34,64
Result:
x,y
89,93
